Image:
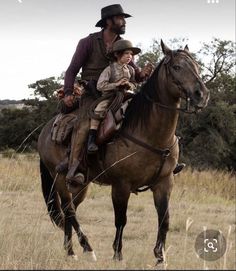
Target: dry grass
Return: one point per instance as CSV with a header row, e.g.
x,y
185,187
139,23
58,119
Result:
x,y
28,240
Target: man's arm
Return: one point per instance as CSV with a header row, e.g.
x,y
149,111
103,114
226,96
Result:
x,y
142,74
78,60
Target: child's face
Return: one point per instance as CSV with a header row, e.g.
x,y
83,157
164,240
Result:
x,y
126,57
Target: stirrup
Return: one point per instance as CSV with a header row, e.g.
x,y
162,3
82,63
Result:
x,y
92,148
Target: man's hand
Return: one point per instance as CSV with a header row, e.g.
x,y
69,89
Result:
x,y
146,70
69,100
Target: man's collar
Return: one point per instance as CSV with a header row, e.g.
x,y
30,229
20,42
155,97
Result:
x,y
100,35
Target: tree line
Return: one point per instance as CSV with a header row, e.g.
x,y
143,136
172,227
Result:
x,y
208,139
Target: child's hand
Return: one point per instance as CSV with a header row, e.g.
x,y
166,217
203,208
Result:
x,y
122,82
127,86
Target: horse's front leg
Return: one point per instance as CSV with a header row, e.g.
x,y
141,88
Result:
x,y
120,197
161,195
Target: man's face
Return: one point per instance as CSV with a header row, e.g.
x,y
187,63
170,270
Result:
x,y
118,24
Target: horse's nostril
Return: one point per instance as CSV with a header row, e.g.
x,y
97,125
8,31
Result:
x,y
198,93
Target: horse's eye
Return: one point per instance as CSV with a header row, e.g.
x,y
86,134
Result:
x,y
176,67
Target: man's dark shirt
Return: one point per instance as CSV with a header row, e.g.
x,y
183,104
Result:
x,y
79,59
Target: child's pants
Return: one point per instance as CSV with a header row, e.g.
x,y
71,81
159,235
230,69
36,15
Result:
x,y
99,110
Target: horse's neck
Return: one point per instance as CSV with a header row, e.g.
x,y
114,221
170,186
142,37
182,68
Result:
x,y
162,122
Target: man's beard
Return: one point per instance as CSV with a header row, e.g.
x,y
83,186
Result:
x,y
119,30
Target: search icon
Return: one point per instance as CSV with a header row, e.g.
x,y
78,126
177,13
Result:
x,y
210,245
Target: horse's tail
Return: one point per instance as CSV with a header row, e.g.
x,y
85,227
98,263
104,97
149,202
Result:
x,y
51,196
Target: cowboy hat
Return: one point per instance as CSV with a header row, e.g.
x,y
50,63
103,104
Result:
x,y
110,11
122,45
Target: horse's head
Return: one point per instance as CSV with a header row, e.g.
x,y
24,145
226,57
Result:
x,y
183,77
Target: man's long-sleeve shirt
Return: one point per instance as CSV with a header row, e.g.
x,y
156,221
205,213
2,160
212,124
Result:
x,y
81,57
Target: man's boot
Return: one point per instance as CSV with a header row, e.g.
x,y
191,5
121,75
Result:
x,y
92,146
178,168
78,139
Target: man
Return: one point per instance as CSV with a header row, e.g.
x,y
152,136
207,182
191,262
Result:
x,y
92,52
91,56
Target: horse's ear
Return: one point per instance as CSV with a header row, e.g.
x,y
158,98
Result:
x,y
165,49
186,48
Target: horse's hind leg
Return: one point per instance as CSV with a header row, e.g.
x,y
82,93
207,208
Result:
x,y
68,212
161,195
71,221
68,236
120,197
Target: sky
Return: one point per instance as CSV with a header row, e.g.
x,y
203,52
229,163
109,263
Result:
x,y
38,37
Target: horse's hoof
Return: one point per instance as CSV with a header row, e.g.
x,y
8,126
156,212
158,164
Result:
x,y
159,260
73,257
118,256
90,255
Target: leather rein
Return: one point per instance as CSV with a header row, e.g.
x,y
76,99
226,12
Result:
x,y
164,153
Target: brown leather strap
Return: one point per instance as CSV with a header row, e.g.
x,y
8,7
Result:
x,y
163,152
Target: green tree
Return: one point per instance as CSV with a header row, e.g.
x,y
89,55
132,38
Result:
x,y
16,125
209,139
19,128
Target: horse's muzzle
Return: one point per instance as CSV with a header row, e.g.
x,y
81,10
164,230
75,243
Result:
x,y
200,98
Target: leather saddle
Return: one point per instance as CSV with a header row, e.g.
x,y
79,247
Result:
x,y
111,123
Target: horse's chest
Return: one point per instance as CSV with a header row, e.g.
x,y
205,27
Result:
x,y
141,166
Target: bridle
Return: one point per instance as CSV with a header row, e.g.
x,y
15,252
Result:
x,y
186,109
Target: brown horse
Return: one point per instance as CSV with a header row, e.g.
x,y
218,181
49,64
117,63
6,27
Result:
x,y
143,155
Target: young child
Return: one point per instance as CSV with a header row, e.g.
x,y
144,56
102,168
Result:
x,y
118,75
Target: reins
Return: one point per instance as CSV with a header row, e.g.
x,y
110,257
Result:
x,y
116,101
179,85
184,110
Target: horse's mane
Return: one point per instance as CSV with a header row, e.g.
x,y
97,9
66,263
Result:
x,y
139,108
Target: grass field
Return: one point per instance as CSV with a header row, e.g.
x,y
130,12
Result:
x,y
28,240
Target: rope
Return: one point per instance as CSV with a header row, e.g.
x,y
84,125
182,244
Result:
x,y
116,101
